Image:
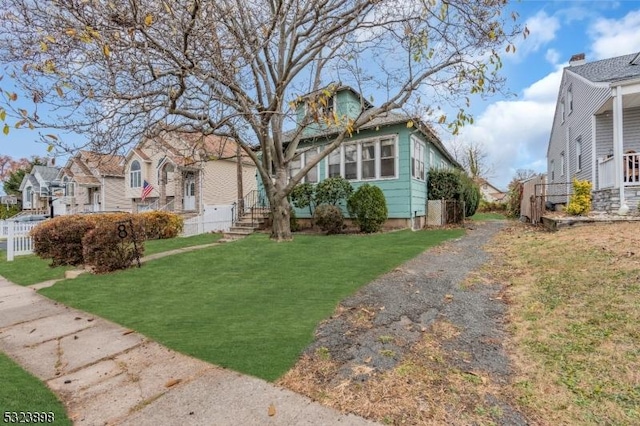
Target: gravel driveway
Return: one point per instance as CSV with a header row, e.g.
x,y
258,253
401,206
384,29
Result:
x,y
400,306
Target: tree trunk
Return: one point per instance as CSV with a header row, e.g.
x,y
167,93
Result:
x,y
240,192
280,209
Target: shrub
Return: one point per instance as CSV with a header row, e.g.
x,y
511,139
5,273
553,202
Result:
x,y
293,220
491,206
60,239
454,185
303,196
329,218
368,207
469,193
114,243
160,224
333,190
514,198
580,201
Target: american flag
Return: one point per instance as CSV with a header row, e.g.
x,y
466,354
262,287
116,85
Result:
x,y
146,189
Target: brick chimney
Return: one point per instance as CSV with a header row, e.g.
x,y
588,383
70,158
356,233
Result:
x,y
577,59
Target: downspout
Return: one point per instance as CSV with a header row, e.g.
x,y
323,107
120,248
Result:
x,y
411,220
200,186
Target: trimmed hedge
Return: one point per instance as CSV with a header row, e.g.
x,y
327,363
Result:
x,y
60,239
114,243
329,218
159,225
71,240
368,208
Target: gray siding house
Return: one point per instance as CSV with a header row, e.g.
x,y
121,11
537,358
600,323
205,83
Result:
x,y
596,132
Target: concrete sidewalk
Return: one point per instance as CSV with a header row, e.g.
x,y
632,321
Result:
x,y
106,374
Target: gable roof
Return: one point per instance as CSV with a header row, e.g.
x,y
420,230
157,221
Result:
x,y
46,173
102,164
620,68
184,149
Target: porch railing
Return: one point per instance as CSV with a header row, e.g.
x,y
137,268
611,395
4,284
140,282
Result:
x,y
251,207
630,171
606,173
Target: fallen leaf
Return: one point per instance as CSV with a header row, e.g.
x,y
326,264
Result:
x,y
172,382
272,410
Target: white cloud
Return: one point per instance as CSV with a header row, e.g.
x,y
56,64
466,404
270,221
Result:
x,y
613,37
552,56
542,30
515,134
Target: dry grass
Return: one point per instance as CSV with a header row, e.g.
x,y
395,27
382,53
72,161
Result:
x,y
423,389
574,310
574,318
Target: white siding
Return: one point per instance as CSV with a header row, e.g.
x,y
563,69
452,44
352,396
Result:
x,y
114,194
219,183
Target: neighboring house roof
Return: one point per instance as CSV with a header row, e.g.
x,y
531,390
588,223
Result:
x,y
608,70
343,88
92,167
39,176
186,149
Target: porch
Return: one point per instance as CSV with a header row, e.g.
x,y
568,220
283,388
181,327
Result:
x,y
630,168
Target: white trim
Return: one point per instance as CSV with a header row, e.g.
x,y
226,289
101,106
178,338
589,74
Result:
x,y
378,158
593,153
419,143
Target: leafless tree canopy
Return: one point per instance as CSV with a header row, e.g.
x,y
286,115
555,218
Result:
x,y
116,70
474,159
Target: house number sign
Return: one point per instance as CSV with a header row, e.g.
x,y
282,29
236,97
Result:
x,y
122,233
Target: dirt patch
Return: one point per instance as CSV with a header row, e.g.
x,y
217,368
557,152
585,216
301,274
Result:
x,y
420,345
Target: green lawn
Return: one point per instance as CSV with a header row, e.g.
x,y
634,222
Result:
x,y
487,216
251,305
22,392
157,246
27,270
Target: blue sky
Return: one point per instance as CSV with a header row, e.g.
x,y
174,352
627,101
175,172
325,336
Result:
x,y
513,131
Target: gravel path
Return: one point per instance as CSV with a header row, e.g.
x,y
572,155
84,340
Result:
x,y
402,304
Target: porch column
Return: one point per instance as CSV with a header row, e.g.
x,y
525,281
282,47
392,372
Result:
x,y
617,142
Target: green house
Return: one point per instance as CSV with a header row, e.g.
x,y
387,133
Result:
x,y
393,152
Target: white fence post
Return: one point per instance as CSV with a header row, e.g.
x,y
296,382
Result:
x,y
10,240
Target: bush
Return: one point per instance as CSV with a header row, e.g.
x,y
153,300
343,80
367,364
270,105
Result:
x,y
293,221
514,198
60,239
368,208
580,201
333,190
454,185
160,225
329,218
114,243
303,196
491,206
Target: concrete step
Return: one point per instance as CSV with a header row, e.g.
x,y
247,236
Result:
x,y
242,230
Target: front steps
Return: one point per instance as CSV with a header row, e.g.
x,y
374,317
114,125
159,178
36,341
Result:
x,y
245,226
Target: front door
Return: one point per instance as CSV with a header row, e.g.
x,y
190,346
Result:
x,y
96,201
189,200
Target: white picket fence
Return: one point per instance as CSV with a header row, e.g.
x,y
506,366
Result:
x,y
215,218
19,242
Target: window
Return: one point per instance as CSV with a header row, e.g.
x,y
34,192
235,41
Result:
x,y
552,167
334,163
562,110
364,160
417,159
69,187
135,175
295,165
387,158
562,164
432,160
570,98
312,175
368,158
579,153
351,162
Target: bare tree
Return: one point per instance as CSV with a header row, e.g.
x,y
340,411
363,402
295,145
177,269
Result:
x,y
116,70
473,157
524,174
